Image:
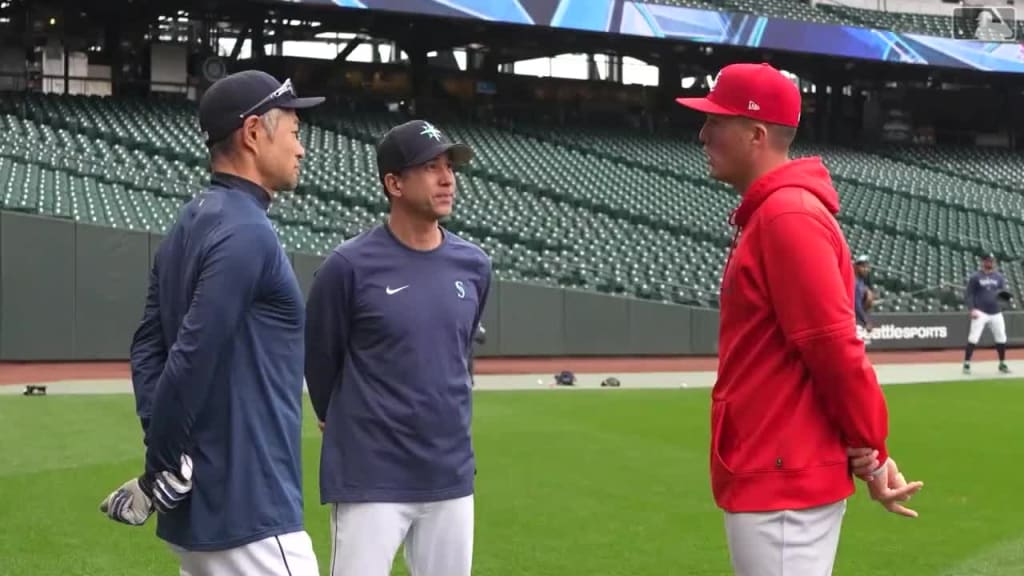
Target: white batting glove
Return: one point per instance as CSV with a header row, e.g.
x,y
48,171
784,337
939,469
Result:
x,y
128,504
169,489
136,500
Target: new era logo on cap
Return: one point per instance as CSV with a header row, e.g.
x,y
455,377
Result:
x,y
756,91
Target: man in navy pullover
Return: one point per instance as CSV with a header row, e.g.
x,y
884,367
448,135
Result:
x,y
390,323
862,292
982,296
217,360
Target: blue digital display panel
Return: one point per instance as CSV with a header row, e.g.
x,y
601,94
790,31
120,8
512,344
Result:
x,y
638,18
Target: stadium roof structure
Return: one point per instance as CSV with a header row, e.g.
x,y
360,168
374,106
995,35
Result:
x,y
503,42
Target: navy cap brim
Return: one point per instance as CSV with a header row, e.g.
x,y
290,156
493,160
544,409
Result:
x,y
286,104
461,154
300,103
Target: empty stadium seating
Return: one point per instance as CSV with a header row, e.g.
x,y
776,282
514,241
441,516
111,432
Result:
x,y
590,208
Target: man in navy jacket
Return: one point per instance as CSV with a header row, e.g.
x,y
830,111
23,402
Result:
x,y
984,296
862,295
217,360
390,323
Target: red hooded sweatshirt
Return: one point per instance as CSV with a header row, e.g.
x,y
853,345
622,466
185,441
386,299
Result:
x,y
795,387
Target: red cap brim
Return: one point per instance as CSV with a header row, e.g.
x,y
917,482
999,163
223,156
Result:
x,y
704,105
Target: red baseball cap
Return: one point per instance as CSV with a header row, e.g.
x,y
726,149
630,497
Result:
x,y
756,91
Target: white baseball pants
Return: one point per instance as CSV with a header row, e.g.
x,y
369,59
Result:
x,y
285,555
995,322
785,543
438,537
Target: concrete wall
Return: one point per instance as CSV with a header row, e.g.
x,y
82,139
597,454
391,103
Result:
x,y
75,292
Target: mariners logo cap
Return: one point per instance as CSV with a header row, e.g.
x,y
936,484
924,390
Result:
x,y
230,100
756,91
416,142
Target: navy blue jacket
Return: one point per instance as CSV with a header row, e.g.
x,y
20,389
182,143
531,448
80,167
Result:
x,y
217,370
389,334
982,291
859,292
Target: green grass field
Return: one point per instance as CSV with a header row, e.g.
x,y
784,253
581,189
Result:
x,y
604,482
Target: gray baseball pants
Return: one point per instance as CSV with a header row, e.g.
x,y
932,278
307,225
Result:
x,y
785,543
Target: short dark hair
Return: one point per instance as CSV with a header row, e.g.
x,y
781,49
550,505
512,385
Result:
x,y
226,145
221,148
779,136
782,136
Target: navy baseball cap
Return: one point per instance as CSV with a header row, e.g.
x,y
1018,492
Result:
x,y
416,142
228,102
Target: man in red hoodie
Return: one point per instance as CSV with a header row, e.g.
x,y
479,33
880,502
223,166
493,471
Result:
x,y
796,409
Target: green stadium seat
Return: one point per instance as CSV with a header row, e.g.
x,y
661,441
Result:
x,y
587,208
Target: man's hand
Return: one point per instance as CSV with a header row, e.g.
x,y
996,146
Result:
x,y
321,425
975,312
863,461
168,489
136,500
890,488
128,504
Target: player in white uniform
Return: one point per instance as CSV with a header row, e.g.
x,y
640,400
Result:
x,y
985,289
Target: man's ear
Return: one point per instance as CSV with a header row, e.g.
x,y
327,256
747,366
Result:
x,y
393,184
250,133
760,133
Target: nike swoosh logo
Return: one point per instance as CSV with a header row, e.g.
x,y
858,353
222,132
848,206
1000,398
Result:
x,y
396,290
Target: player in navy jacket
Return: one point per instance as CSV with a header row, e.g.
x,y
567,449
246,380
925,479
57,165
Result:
x,y
390,322
982,297
862,296
217,360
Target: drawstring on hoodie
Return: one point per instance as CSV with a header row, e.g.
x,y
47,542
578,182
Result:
x,y
732,243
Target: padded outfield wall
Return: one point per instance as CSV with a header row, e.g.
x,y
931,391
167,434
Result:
x,y
74,292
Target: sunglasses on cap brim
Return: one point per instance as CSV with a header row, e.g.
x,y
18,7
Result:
x,y
285,88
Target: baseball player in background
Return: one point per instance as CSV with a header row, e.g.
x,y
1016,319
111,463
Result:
x,y
985,289
863,298
391,317
796,406
217,360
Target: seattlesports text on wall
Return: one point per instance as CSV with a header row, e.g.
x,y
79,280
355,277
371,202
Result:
x,y
894,332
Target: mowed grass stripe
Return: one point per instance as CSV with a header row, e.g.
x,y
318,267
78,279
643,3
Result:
x,y
593,482
1003,559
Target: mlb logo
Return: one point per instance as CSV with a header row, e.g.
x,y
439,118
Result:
x,y
985,23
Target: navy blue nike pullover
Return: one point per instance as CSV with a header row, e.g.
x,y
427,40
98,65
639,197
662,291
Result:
x,y
217,370
983,289
859,292
389,333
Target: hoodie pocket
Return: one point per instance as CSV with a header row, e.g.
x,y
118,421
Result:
x,y
810,444
719,435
